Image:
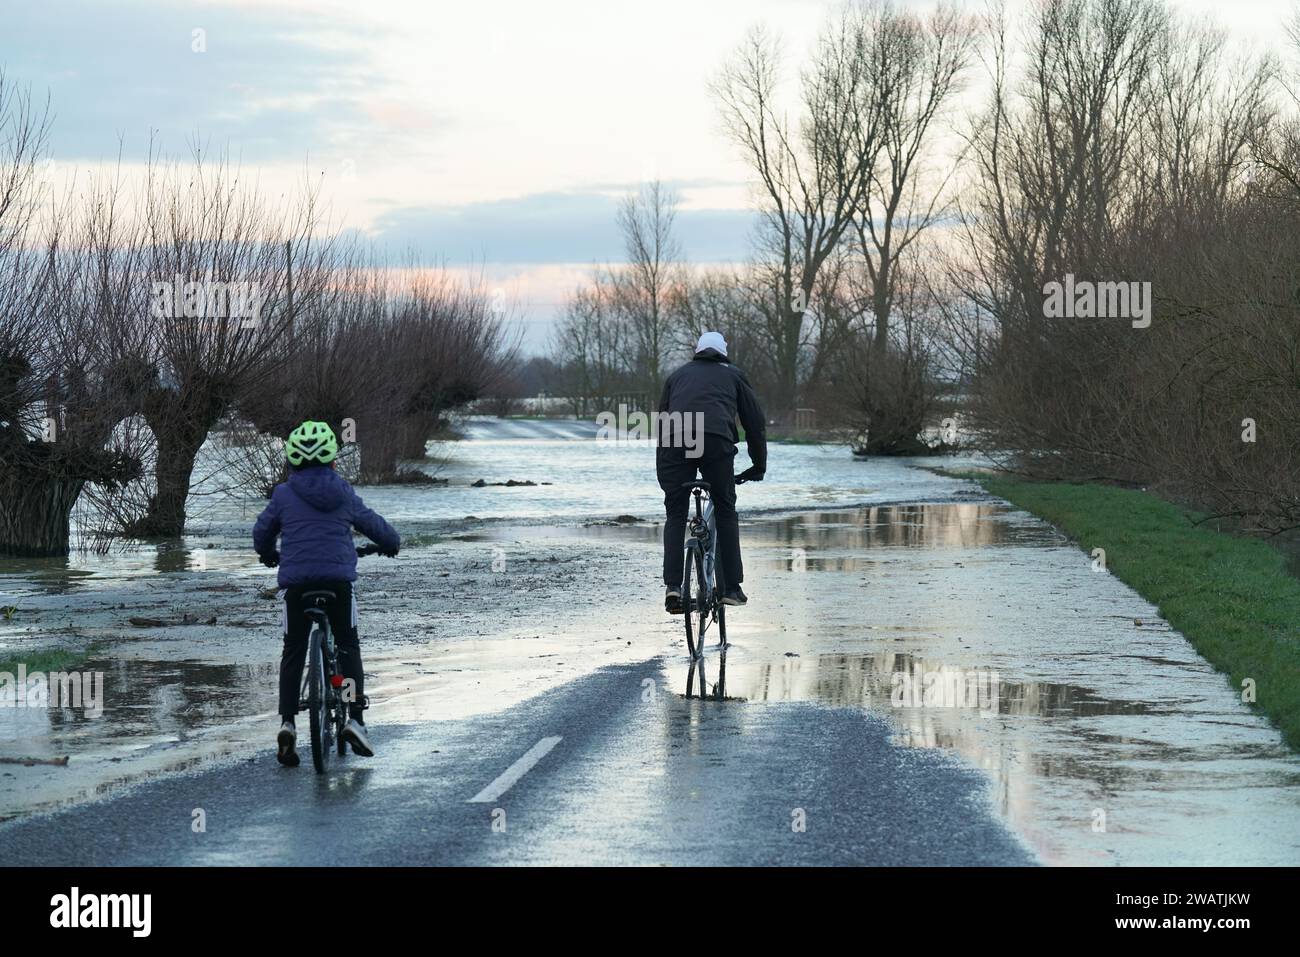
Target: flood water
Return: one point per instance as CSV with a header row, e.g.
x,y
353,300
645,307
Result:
x,y
978,630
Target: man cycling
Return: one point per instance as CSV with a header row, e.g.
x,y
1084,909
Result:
x,y
713,392
313,514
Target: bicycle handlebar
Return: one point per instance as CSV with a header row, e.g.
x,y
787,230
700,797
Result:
x,y
370,548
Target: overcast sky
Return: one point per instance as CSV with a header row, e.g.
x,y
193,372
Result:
x,y
497,134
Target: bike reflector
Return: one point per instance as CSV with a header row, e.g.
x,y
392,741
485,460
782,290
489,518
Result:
x,y
336,681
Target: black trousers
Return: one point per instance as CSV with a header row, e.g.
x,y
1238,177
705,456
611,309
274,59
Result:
x,y
714,466
342,614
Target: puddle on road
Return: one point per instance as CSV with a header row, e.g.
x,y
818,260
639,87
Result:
x,y
879,526
980,631
154,716
903,682
151,701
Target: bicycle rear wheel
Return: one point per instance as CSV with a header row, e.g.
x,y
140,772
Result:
x,y
696,649
706,599
317,700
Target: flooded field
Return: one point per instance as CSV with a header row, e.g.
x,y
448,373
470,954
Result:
x,y
974,629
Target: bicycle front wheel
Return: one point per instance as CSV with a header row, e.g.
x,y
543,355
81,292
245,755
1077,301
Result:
x,y
317,700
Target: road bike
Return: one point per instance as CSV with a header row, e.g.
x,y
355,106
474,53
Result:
x,y
701,563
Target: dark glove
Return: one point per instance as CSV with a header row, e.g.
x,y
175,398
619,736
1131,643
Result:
x,y
751,474
389,554
271,560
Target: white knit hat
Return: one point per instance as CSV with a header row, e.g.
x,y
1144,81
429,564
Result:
x,y
711,340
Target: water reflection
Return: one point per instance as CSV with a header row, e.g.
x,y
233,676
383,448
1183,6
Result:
x,y
149,699
940,525
51,576
173,557
945,525
715,692
906,682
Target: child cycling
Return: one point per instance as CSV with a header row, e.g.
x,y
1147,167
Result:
x,y
313,515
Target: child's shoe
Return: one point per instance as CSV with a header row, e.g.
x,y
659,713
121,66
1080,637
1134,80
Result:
x,y
354,733
287,740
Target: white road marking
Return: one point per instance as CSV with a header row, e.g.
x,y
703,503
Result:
x,y
511,775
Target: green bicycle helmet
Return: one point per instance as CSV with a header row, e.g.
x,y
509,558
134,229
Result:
x,y
311,442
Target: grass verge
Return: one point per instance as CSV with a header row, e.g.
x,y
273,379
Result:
x,y
1231,596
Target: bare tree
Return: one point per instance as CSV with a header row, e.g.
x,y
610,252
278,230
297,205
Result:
x,y
716,299
917,65
589,345
446,347
813,173
1135,148
644,288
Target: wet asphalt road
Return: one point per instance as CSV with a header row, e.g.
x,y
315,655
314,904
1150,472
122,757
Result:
x,y
640,775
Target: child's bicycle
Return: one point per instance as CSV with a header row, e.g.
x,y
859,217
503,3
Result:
x,y
323,684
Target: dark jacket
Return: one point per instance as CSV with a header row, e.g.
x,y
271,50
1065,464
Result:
x,y
711,385
314,513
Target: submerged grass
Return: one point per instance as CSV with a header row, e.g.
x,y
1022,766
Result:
x,y
49,659
1231,596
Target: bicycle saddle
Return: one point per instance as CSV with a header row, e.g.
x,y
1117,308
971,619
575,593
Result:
x,y
696,483
312,597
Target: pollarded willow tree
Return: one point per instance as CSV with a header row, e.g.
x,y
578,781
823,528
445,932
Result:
x,y
65,377
383,354
227,273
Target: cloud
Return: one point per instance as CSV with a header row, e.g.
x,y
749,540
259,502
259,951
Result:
x,y
269,84
554,227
